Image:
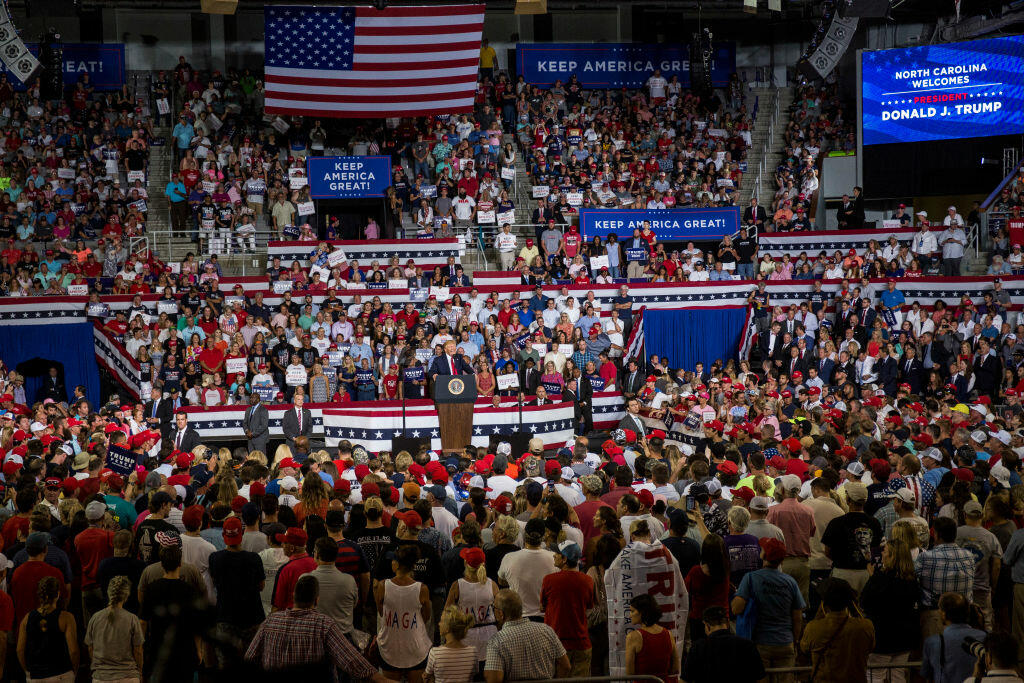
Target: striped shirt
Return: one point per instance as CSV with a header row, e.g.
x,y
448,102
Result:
x,y
451,664
524,650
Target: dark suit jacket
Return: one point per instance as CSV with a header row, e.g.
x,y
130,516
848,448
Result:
x,y
825,369
633,422
913,376
164,413
52,388
776,353
290,425
529,386
439,366
189,440
789,367
888,372
986,374
758,214
633,387
258,422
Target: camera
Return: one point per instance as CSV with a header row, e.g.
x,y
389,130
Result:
x,y
973,647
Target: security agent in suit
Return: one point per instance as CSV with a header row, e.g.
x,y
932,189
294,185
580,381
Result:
x,y
529,377
632,380
449,363
183,437
911,370
631,420
297,422
53,388
256,424
158,412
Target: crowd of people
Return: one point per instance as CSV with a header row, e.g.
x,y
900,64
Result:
x,y
850,496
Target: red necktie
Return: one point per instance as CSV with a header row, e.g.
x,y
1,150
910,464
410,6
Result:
x,y
452,361
299,414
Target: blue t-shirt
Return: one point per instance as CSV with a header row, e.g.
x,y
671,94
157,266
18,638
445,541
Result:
x,y
777,595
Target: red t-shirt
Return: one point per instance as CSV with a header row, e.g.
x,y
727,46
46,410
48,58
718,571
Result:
x,y
11,528
705,593
565,597
1015,229
24,583
288,576
93,546
391,386
586,511
6,612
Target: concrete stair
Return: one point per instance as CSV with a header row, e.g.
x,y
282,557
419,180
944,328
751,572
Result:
x,y
759,137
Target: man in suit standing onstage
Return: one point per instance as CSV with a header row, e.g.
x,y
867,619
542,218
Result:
x,y
184,437
256,424
297,422
158,412
449,363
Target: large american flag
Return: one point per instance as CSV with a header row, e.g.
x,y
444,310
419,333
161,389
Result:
x,y
358,62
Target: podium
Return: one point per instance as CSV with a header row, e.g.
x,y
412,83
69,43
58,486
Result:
x,y
454,397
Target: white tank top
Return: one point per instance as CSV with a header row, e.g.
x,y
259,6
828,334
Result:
x,y
402,632
478,599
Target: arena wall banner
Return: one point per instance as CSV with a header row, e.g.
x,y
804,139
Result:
x,y
669,224
104,62
348,177
616,65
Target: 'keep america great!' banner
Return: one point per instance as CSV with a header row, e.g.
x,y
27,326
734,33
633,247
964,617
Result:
x,y
616,65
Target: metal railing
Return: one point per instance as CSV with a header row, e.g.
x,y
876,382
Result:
x,y
974,238
788,673
762,164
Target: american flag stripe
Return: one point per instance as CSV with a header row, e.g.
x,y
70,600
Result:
x,y
361,62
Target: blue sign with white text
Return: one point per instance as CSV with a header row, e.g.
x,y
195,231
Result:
x,y
104,62
667,224
616,65
348,177
943,92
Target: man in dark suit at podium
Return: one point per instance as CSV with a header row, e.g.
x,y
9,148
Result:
x,y
449,363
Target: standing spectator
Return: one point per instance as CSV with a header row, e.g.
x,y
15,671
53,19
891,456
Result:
x,y
177,196
953,241
293,543
473,594
942,658
987,551
47,637
779,607
703,662
708,582
946,568
403,610
565,597
93,545
852,540
170,613
522,650
238,579
825,509
889,599
25,579
524,570
797,524
650,648
839,642
114,637
454,661
303,644
338,590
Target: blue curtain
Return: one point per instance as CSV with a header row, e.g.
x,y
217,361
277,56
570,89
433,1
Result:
x,y
692,336
69,345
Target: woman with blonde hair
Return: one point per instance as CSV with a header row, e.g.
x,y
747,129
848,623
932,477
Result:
x,y
114,637
313,498
454,661
473,594
282,452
